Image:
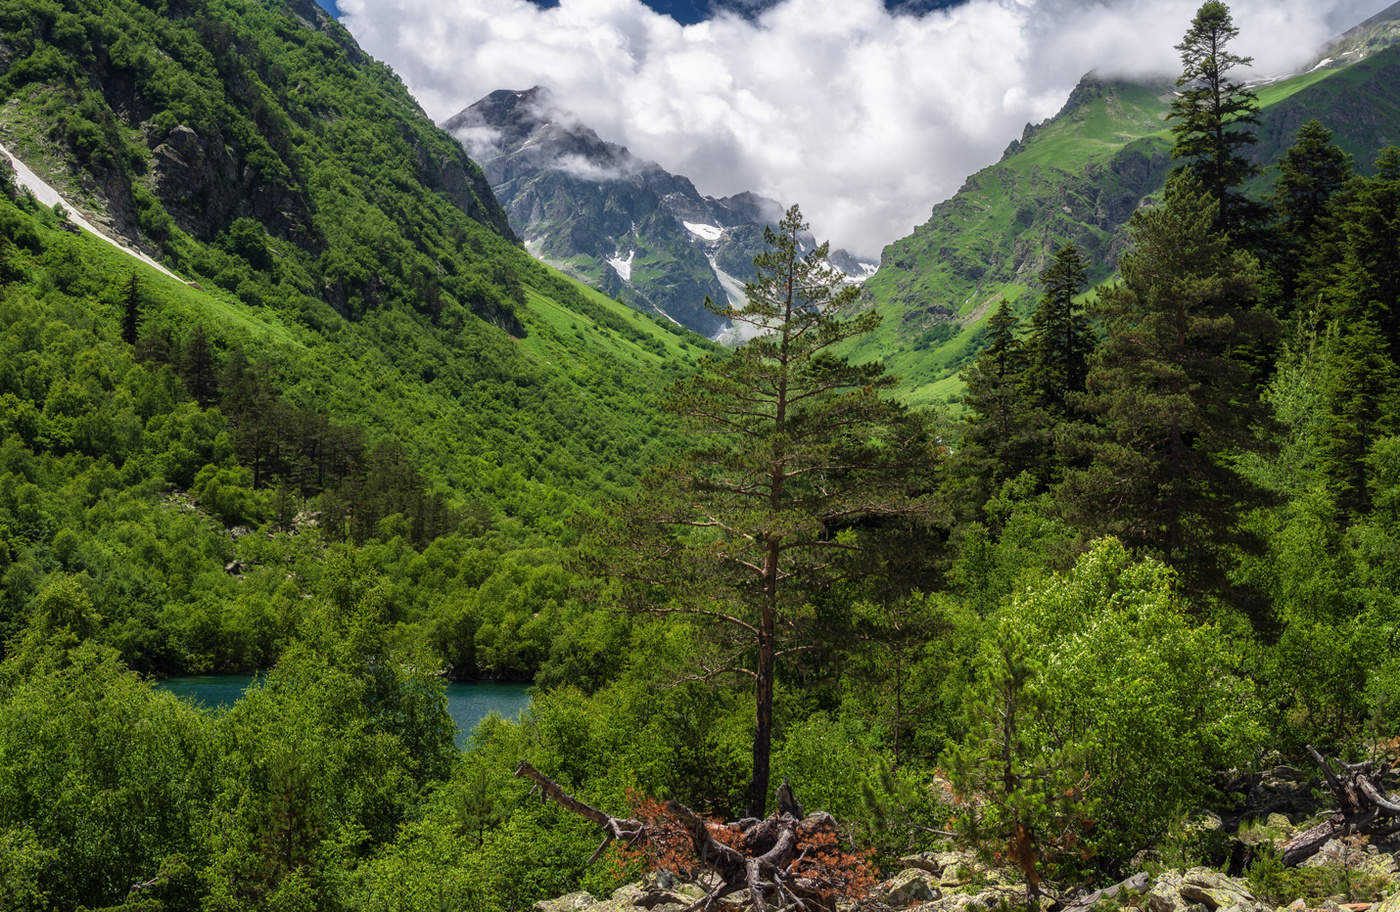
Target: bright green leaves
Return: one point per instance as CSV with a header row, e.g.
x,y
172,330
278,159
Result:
x,y
1101,711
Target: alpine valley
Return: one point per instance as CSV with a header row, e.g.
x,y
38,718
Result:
x,y
625,226
1051,563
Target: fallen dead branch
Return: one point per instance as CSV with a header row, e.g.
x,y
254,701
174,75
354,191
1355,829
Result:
x,y
788,860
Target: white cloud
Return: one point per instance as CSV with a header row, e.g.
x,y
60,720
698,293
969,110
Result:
x,y
865,118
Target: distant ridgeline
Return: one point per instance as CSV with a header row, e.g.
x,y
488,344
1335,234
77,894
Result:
x,y
363,348
1077,178
625,226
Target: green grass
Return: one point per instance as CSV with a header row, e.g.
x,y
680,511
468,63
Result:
x,y
1111,147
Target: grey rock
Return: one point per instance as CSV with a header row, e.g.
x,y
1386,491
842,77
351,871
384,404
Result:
x,y
569,903
616,221
907,888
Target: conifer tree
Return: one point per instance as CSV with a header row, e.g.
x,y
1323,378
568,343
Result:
x,y
1060,339
1214,115
1366,275
198,368
802,448
1359,396
1310,173
999,439
1173,400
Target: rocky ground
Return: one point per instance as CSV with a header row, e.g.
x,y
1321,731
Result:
x,y
1268,808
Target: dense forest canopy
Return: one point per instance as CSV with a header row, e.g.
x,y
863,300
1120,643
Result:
x,y
370,443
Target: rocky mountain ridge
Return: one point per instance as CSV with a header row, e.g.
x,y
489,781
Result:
x,y
627,226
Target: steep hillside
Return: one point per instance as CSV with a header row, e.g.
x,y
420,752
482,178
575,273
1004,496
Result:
x,y
357,352
1078,177
625,226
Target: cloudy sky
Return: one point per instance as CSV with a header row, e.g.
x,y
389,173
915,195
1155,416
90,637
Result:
x,y
864,114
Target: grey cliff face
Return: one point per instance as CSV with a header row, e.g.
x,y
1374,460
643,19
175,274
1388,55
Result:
x,y
625,225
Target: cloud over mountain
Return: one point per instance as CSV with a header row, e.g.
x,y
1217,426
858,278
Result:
x,y
864,116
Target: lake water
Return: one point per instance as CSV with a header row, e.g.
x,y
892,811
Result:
x,y
467,704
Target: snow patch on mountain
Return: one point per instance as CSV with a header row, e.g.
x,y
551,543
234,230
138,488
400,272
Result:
x,y
623,267
866,271
48,196
706,232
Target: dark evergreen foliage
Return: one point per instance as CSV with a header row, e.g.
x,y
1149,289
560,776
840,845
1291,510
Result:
x,y
998,439
1173,402
1060,338
1214,115
752,527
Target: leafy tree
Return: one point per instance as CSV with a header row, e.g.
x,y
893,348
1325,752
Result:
x,y
1213,114
1024,791
1173,400
1109,709
745,531
131,310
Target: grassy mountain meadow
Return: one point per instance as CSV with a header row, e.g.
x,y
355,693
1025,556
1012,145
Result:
x,y
1077,178
1117,633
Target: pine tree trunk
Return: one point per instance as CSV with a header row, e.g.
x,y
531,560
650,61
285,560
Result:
x,y
763,696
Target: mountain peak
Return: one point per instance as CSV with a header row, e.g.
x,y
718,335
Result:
x,y
1375,34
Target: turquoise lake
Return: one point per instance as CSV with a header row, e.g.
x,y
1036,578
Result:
x,y
467,704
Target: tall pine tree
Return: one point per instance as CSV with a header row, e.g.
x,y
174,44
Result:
x,y
802,454
1214,115
1173,401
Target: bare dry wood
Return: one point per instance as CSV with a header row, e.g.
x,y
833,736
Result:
x,y
1363,808
785,861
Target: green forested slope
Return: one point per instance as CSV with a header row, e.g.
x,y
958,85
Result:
x,y
364,358
1077,178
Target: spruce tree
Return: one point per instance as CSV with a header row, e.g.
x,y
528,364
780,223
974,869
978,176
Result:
x,y
1359,397
1214,115
1367,274
1000,438
1173,400
1060,338
198,368
802,452
1310,174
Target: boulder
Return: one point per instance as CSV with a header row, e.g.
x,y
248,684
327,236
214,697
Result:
x,y
907,888
1390,904
1217,891
1165,895
569,903
1136,885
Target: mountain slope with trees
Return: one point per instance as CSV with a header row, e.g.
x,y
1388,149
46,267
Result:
x,y
1077,178
362,350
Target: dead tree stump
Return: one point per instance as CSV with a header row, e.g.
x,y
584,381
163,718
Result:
x,y
785,861
1363,808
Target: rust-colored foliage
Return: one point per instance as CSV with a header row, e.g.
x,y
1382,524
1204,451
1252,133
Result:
x,y
834,872
819,864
